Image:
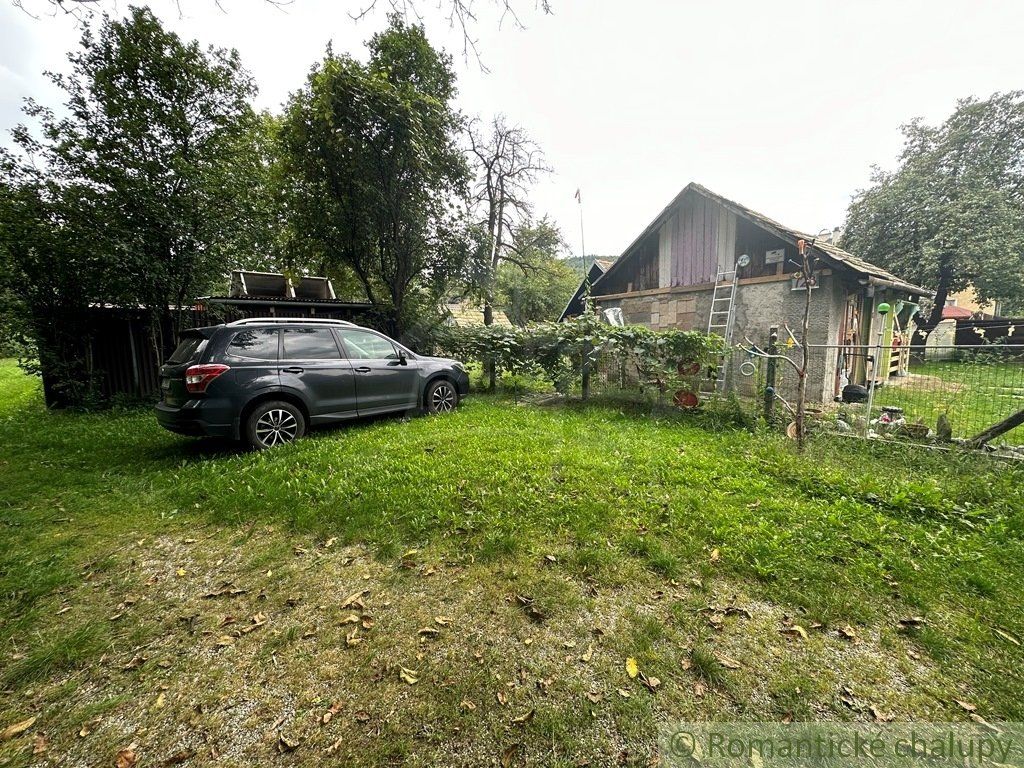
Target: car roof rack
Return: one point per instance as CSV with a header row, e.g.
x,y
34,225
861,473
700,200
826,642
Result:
x,y
291,320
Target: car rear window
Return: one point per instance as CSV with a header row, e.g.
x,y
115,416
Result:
x,y
255,343
188,349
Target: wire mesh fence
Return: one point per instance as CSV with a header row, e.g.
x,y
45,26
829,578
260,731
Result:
x,y
939,393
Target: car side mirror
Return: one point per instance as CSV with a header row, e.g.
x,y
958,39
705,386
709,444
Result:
x,y
402,359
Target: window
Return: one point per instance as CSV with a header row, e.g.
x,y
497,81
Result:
x,y
309,344
188,349
363,345
257,344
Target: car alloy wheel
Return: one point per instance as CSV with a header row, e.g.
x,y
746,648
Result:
x,y
275,427
443,399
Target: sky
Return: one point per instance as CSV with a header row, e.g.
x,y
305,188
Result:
x,y
783,106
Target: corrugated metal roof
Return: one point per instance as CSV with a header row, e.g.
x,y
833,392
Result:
x,y
829,253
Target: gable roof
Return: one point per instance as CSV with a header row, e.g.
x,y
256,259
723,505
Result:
x,y
574,306
828,252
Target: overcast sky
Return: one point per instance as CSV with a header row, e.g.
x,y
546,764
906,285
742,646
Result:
x,y
782,106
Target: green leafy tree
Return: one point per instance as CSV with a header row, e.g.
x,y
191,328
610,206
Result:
x,y
952,214
153,158
536,286
371,167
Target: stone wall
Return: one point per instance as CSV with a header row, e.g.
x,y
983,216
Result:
x,y
758,307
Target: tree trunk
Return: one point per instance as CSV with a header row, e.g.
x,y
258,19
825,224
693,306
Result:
x,y
490,368
925,325
996,430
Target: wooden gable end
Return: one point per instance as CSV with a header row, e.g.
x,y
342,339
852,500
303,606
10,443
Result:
x,y
690,244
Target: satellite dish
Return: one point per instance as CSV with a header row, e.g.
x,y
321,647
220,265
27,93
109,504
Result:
x,y
743,261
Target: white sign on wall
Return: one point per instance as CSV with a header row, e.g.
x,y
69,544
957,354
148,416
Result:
x,y
775,257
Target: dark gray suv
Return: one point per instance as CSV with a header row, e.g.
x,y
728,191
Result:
x,y
266,380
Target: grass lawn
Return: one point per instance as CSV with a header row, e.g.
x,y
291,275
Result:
x,y
974,395
466,590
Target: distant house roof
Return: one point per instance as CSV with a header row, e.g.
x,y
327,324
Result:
x,y
829,253
956,313
463,313
575,307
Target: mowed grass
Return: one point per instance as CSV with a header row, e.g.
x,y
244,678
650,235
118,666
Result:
x,y
540,532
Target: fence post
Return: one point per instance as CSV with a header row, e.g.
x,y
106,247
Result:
x,y
585,384
770,369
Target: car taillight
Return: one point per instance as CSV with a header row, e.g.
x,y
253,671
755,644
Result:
x,y
198,377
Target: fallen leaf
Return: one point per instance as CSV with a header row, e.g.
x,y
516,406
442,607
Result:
x,y
428,632
787,718
409,676
350,619
330,713
225,640
88,727
589,654
531,610
727,662
624,693
227,590
352,638
126,758
878,715
502,698
136,662
39,744
715,555
594,697
965,705
632,669
508,754
355,600
651,682
442,621
467,705
17,729
160,700
847,697
362,716
796,629
284,744
334,747
180,572
523,719
848,632
912,621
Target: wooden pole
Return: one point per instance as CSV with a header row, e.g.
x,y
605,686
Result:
x,y
996,430
771,373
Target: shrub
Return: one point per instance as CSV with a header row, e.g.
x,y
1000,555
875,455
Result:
x,y
562,353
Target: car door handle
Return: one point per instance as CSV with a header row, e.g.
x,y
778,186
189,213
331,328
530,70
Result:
x,y
363,369
292,369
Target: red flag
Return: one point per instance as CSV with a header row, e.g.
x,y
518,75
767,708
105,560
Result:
x,y
577,196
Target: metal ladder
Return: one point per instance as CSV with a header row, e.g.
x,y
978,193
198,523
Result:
x,y
722,317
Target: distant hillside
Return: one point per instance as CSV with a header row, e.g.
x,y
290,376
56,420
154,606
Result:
x,y
575,263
